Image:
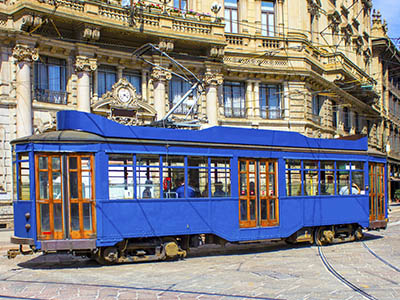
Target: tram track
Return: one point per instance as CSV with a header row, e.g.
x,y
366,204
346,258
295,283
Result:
x,y
341,278
380,258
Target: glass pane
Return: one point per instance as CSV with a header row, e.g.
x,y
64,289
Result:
x,y
252,184
340,165
252,166
55,163
343,183
86,185
263,185
57,207
73,163
173,182
293,183
56,185
87,216
252,209
194,161
147,160
243,166
221,182
74,216
44,218
293,164
85,163
311,183
43,185
173,160
357,183
357,165
263,168
271,188
198,181
43,162
148,182
264,209
310,164
243,210
327,183
73,185
327,165
243,184
223,162
272,214
271,167
24,181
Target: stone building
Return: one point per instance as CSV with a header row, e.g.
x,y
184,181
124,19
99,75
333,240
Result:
x,y
386,67
301,65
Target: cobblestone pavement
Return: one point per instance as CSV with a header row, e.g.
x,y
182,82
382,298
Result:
x,y
268,271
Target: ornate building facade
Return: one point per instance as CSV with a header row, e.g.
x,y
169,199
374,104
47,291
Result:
x,y
300,65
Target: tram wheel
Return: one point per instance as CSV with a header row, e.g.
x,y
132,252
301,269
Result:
x,y
320,237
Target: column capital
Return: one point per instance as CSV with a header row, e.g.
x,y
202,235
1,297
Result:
x,y
160,74
25,53
211,78
86,64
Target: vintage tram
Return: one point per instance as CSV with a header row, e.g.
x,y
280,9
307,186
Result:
x,y
129,193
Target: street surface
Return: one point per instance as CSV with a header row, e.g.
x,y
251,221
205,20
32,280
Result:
x,y
267,271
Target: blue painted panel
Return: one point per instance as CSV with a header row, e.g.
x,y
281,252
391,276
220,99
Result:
x,y
74,120
20,209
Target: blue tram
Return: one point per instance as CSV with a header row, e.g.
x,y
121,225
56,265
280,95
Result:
x,y
128,193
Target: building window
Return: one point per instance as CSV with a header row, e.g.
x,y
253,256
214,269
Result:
x,y
231,16
135,79
267,18
270,101
234,100
106,77
181,4
317,102
177,89
50,80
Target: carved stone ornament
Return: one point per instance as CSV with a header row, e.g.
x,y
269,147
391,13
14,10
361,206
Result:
x,y
160,74
86,64
124,105
91,33
314,7
213,78
165,45
217,52
25,53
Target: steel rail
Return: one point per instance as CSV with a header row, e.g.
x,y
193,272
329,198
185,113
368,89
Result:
x,y
380,258
341,278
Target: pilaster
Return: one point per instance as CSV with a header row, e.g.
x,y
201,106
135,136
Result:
x,y
160,77
83,66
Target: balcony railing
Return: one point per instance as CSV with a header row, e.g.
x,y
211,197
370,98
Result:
x,y
49,96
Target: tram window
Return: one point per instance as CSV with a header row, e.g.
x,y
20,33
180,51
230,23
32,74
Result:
x,y
310,164
357,182
293,182
343,182
327,182
311,181
86,178
173,176
293,164
147,176
220,177
120,177
43,177
198,175
327,165
23,178
357,165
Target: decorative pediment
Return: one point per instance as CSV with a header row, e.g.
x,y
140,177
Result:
x,y
123,105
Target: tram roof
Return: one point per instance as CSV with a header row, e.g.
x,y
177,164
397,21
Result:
x,y
74,126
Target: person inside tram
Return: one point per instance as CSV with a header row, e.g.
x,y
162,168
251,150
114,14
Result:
x,y
180,190
219,192
345,190
147,190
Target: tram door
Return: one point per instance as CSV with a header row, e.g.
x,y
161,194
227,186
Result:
x,y
65,196
258,193
376,191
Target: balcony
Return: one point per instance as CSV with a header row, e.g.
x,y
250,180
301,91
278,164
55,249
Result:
x,y
316,119
108,20
49,96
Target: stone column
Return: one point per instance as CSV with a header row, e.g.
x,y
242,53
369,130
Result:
x,y
24,55
249,99
160,77
120,71
83,67
144,86
257,99
279,18
212,81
